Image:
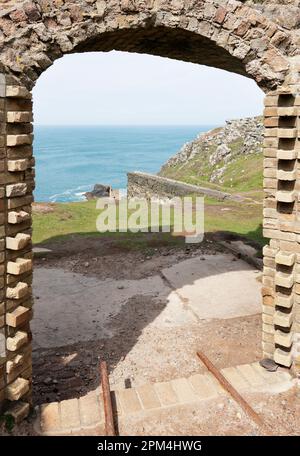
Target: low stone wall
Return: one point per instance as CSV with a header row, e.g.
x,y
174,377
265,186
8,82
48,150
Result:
x,y
149,185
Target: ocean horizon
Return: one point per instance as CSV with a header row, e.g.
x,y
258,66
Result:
x,y
71,159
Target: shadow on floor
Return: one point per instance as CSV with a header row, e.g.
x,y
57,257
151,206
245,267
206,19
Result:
x,y
72,370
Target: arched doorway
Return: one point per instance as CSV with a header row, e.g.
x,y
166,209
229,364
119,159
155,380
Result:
x,y
232,37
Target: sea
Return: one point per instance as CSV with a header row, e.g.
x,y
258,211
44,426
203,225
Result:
x,y
70,160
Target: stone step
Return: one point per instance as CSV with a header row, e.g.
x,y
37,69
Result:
x,y
71,416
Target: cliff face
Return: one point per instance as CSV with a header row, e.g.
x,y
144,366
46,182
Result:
x,y
230,157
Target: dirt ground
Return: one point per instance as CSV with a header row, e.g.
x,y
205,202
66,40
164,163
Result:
x,y
72,371
136,350
280,414
104,257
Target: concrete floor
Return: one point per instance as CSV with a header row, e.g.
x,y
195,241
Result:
x,y
149,331
217,287
71,307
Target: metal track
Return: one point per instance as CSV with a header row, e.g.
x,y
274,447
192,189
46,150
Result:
x,y
108,410
234,393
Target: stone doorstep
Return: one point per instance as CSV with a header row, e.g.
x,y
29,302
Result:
x,y
73,415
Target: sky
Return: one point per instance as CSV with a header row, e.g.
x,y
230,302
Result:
x,y
120,88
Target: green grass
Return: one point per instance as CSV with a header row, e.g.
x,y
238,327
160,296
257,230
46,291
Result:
x,y
244,174
69,219
237,218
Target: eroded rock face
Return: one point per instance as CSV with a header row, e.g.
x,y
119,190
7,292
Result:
x,y
225,34
222,153
248,131
218,148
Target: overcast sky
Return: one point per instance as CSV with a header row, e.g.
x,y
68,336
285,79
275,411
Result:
x,y
120,88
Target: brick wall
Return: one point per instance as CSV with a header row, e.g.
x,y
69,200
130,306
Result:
x,y
281,281
17,183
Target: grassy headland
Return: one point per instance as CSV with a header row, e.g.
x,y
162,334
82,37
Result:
x,y
56,221
229,159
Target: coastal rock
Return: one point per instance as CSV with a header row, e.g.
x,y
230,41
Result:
x,y
207,157
222,151
99,191
217,175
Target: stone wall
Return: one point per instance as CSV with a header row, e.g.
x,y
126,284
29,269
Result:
x,y
148,186
285,12
222,33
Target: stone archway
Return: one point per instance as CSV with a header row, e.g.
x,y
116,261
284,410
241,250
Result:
x,y
227,35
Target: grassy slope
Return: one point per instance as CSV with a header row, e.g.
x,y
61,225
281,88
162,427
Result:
x,y
244,219
66,218
243,174
80,218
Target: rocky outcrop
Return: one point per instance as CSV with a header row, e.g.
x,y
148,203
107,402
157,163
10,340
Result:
x,y
213,151
99,191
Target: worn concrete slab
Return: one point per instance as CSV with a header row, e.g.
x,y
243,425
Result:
x,y
70,307
217,286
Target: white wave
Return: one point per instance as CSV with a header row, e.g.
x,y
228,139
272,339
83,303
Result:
x,y
71,194
80,193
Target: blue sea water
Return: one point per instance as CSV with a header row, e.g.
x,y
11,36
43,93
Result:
x,y
70,160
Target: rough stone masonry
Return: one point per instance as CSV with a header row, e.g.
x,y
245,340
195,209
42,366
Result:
x,y
260,41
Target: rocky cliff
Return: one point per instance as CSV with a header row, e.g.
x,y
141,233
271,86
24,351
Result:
x,y
230,157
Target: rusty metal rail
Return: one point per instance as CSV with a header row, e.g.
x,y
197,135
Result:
x,y
108,410
234,393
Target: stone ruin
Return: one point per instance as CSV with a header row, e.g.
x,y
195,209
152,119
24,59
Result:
x,y
241,37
